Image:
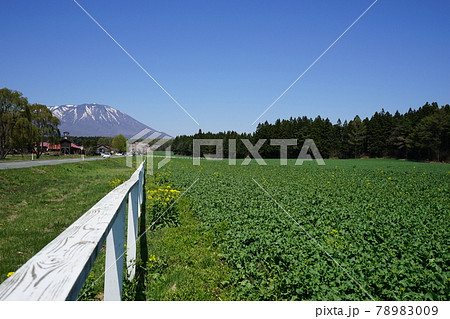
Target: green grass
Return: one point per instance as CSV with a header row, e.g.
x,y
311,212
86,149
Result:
x,y
38,203
161,153
185,262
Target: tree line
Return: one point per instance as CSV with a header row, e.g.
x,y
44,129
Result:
x,y
25,126
422,134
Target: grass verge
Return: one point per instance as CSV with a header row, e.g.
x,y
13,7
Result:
x,y
185,262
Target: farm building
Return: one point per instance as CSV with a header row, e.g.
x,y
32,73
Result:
x,y
102,149
48,147
67,147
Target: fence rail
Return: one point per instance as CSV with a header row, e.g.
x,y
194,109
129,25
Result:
x,y
59,270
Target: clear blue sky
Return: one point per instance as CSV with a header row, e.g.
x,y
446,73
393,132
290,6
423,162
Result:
x,y
226,61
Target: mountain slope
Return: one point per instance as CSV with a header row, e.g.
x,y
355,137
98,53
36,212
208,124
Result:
x,y
97,120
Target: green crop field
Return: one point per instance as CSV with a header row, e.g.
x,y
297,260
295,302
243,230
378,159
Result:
x,y
349,230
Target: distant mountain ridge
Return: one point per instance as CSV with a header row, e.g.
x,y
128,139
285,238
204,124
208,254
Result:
x,y
98,120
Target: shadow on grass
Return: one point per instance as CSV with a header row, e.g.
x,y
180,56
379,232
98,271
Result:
x,y
141,270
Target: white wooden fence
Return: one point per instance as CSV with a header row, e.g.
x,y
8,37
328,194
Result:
x,y
59,270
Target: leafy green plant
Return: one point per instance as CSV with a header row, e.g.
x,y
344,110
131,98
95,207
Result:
x,y
160,205
383,221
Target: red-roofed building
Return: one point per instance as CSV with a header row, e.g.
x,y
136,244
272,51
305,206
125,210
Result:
x,y
48,147
67,147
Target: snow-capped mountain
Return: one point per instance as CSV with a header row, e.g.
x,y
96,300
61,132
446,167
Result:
x,y
98,120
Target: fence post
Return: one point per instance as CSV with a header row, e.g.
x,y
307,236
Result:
x,y
115,243
141,189
132,229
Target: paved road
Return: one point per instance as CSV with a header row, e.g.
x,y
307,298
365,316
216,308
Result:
x,y
22,164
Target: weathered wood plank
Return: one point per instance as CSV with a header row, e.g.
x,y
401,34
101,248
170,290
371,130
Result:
x,y
133,205
115,250
58,271
141,190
